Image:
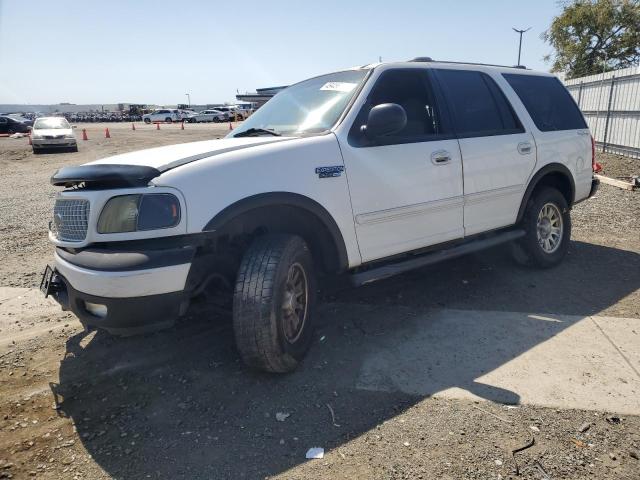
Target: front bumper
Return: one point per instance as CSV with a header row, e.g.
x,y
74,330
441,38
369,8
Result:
x,y
54,143
123,292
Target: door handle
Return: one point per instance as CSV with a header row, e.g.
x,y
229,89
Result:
x,y
524,148
441,157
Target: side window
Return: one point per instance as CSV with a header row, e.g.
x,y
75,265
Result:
x,y
3,120
479,106
550,104
411,89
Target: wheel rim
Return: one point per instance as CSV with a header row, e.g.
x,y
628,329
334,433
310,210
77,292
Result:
x,y
294,303
550,228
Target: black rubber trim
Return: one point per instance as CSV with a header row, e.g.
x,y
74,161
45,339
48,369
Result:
x,y
551,168
595,184
110,260
105,175
125,316
280,199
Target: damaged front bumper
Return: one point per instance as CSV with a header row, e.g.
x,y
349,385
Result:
x,y
123,292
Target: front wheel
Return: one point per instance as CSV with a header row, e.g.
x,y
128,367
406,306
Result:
x,y
547,223
273,303
147,121
168,120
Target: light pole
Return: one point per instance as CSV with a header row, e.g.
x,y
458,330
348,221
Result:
x,y
189,99
520,45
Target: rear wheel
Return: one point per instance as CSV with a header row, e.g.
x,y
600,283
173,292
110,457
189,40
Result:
x,y
147,121
168,120
273,303
547,223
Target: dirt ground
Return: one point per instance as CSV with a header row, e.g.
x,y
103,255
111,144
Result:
x,y
179,403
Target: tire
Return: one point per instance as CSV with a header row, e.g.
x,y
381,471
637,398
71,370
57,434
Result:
x,y
74,148
147,121
547,209
216,120
268,338
168,120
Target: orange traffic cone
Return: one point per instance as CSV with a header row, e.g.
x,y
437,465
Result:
x,y
133,126
230,126
106,133
84,134
182,125
158,126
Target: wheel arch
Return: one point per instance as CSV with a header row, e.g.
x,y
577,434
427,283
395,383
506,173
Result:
x,y
286,212
555,175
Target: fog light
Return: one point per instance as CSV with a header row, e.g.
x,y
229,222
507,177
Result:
x,y
96,309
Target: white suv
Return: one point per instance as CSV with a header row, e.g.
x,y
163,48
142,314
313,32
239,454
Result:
x,y
367,172
163,115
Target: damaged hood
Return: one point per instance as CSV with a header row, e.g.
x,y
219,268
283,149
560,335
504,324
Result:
x,y
138,168
171,156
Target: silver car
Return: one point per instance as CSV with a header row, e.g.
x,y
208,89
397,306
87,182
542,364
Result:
x,y
52,132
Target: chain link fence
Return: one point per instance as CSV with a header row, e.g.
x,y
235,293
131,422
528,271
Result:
x,y
610,103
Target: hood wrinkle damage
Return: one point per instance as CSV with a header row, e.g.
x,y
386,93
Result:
x,y
172,156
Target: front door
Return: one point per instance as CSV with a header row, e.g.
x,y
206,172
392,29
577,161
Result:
x,y
406,188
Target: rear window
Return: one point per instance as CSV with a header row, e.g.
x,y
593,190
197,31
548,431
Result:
x,y
550,104
479,107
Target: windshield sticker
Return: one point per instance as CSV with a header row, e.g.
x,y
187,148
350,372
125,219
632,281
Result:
x,y
339,86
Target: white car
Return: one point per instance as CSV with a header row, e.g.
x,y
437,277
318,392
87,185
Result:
x,y
209,116
163,115
52,132
233,112
367,172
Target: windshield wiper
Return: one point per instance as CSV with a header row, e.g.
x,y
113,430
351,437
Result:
x,y
256,132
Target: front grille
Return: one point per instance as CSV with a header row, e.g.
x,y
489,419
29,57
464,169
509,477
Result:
x,y
70,219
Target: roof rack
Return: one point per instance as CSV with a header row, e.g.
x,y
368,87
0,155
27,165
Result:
x,y
429,59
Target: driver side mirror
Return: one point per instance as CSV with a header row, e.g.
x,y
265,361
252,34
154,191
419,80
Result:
x,y
384,119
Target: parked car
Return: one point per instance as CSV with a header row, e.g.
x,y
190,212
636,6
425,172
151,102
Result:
x,y
10,125
209,116
52,132
367,173
162,115
27,121
233,112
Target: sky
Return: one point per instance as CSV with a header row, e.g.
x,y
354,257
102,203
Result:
x,y
156,51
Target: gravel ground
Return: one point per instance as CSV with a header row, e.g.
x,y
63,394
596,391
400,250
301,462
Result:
x,y
615,166
179,404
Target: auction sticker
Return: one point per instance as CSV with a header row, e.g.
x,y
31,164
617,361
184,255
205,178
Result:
x,y
339,86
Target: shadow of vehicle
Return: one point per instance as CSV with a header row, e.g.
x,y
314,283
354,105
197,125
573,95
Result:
x,y
179,403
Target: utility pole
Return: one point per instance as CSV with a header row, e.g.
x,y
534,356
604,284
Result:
x,y
188,99
520,45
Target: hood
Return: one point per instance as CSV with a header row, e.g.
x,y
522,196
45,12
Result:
x,y
55,132
171,156
138,168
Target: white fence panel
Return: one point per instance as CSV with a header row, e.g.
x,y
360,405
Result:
x,y
611,105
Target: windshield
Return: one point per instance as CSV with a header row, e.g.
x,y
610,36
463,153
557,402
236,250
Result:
x,y
311,106
46,123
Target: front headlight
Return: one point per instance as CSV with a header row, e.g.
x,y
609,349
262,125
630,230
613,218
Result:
x,y
34,135
131,213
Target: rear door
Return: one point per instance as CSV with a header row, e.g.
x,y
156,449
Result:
x,y
562,136
406,188
498,154
4,125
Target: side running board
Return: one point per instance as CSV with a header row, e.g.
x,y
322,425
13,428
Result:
x,y
390,269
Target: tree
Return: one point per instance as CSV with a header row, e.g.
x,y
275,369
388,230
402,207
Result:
x,y
591,36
